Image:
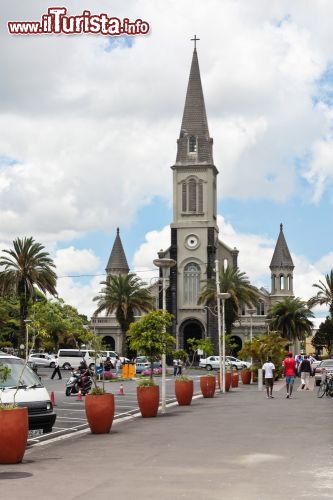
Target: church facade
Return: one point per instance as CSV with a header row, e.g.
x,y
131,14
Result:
x,y
195,243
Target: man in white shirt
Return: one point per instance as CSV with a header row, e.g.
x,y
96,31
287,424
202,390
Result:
x,y
268,372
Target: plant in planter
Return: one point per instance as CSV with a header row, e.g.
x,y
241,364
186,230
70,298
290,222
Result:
x,y
208,385
184,390
13,426
99,404
148,395
150,337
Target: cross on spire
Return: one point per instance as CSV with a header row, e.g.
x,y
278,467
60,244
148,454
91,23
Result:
x,y
195,40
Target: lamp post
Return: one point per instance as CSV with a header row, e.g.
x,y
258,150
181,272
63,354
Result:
x,y
251,312
220,296
27,323
164,264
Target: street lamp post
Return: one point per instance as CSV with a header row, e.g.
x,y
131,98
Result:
x,y
27,323
220,296
251,312
164,264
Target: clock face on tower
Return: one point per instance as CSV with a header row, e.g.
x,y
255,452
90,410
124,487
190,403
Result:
x,y
192,241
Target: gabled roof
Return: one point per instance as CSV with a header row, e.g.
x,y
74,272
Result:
x,y
281,256
194,121
117,263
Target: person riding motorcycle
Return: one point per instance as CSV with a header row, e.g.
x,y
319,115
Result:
x,y
84,373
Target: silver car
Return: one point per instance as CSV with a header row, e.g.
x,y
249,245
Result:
x,y
42,359
324,366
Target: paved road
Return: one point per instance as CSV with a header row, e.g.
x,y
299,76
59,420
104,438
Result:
x,y
71,413
236,446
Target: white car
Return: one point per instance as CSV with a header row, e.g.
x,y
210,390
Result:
x,y
42,359
238,363
213,363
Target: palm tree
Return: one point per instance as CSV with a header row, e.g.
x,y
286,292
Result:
x,y
27,266
325,293
290,316
235,282
124,295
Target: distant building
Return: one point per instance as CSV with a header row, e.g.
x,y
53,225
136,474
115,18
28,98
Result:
x,y
195,243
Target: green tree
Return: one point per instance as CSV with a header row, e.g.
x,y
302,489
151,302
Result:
x,y
25,267
290,316
324,295
125,295
149,335
9,321
204,345
235,282
266,345
63,325
324,336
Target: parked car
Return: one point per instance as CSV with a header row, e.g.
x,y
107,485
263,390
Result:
x,y
30,393
142,363
213,363
71,358
42,359
325,366
238,363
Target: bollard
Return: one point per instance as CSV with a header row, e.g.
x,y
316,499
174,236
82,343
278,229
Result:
x,y
260,379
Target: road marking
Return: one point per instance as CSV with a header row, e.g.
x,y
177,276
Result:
x,y
70,409
71,418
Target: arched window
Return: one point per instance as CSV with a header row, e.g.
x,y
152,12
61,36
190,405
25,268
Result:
x,y
191,283
192,195
192,144
281,282
260,308
289,282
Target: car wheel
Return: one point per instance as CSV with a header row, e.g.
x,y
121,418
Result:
x,y
67,366
47,430
209,367
235,366
52,365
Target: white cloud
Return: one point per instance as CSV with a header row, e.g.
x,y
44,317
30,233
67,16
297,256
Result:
x,y
73,260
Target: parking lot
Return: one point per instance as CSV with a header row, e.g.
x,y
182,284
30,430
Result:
x,y
71,416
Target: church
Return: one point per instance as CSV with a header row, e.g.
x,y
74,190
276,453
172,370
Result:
x,y
195,242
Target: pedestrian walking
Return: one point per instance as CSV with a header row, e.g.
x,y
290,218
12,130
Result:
x,y
298,359
118,366
175,367
289,368
305,370
56,369
269,374
180,366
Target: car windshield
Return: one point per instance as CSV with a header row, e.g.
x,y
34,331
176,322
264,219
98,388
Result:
x,y
16,377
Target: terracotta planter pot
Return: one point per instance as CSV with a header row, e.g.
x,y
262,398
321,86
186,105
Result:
x,y
100,412
148,399
228,377
234,379
254,376
207,386
246,377
13,435
184,392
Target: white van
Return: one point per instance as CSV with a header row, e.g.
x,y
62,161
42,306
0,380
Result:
x,y
71,358
31,393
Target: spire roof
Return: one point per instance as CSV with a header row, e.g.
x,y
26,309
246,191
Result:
x,y
281,256
117,263
194,123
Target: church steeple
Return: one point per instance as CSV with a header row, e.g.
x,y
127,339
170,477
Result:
x,y
117,263
282,268
194,143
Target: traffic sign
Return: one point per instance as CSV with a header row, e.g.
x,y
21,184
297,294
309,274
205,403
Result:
x,y
99,369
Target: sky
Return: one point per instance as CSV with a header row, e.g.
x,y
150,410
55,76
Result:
x,y
89,123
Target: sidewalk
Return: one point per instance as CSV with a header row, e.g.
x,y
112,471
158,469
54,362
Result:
x,y
235,446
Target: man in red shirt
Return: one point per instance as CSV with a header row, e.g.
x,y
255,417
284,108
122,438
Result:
x,y
289,366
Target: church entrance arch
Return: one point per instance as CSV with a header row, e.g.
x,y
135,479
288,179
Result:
x,y
109,343
190,329
238,344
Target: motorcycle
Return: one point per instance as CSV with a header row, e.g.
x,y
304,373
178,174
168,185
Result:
x,y
78,381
